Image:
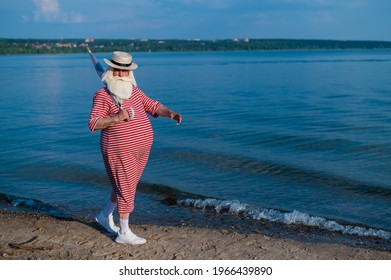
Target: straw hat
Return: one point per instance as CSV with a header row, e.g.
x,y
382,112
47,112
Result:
x,y
121,60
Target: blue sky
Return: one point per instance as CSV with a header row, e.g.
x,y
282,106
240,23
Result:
x,y
197,19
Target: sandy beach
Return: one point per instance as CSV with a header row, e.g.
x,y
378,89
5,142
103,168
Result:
x,y
25,236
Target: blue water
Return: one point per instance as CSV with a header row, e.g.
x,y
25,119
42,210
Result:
x,y
297,137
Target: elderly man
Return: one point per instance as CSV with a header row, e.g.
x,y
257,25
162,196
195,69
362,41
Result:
x,y
120,112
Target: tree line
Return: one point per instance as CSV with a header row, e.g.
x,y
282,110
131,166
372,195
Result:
x,y
53,46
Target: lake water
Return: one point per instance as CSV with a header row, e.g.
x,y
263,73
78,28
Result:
x,y
297,138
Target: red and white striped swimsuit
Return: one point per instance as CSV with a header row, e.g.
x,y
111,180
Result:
x,y
125,146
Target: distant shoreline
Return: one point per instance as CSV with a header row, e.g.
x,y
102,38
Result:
x,y
62,46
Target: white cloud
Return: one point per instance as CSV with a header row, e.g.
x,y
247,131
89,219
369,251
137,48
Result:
x,y
49,11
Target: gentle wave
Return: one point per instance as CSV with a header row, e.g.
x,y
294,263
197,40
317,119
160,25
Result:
x,y
294,217
33,205
264,168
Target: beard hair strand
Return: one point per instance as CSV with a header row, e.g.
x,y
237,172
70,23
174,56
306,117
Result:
x,y
121,87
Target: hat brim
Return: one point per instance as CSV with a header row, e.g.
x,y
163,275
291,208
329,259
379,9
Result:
x,y
130,68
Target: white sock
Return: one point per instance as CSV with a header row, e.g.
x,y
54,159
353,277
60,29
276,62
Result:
x,y
124,225
109,209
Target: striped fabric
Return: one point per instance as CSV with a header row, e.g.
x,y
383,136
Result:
x,y
125,146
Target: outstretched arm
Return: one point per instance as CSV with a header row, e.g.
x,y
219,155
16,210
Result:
x,y
167,112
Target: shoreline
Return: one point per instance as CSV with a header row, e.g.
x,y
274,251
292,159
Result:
x,y
101,45
27,235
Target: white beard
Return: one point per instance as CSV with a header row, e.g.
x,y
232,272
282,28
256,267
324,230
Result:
x,y
120,87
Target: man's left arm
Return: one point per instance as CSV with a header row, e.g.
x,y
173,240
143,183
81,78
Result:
x,y
164,111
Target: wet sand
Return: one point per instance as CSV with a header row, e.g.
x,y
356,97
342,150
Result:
x,y
35,236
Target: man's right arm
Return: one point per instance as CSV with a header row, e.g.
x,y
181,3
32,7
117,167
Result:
x,y
110,121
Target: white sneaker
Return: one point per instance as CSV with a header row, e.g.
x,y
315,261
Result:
x,y
107,223
129,238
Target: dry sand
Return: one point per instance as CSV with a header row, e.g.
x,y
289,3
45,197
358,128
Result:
x,y
35,236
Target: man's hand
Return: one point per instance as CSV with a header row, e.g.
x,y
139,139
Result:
x,y
122,115
166,112
177,117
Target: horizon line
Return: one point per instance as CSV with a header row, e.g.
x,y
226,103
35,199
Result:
x,y
195,39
